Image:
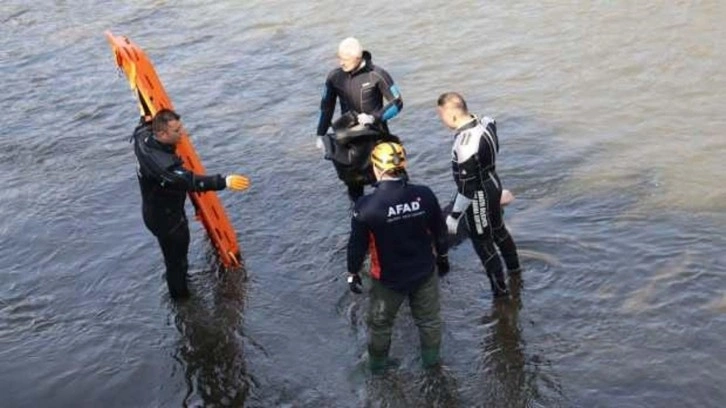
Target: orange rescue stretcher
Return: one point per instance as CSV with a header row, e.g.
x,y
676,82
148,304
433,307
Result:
x,y
152,97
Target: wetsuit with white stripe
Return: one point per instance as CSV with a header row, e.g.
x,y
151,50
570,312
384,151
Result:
x,y
474,167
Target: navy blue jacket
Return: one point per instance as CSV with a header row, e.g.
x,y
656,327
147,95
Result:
x,y
400,224
369,89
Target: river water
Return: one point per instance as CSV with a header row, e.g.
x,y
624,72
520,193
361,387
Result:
x,y
610,117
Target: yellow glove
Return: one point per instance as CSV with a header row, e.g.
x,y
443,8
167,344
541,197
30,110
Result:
x,y
237,182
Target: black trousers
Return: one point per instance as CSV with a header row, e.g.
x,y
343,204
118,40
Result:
x,y
175,247
487,232
172,233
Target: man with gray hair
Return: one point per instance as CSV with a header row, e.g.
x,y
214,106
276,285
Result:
x,y
365,90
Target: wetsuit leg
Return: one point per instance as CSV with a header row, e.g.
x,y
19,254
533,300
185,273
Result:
x,y
502,238
480,229
383,307
508,248
489,257
425,308
175,246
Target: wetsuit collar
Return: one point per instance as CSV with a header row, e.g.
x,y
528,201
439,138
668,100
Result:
x,y
152,141
365,63
468,125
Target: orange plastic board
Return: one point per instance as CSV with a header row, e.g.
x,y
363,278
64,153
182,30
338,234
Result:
x,y
152,97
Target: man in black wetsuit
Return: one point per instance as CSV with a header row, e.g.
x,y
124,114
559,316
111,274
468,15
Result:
x,y
479,190
164,185
401,226
364,89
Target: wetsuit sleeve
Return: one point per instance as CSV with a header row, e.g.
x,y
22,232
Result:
x,y
179,178
358,243
327,107
391,96
437,226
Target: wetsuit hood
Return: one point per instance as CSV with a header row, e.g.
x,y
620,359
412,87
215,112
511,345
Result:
x,y
365,65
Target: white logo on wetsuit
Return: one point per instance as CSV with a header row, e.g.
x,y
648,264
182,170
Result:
x,y
404,208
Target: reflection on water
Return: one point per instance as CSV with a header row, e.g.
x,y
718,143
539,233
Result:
x,y
503,362
509,374
398,387
211,349
438,387
503,374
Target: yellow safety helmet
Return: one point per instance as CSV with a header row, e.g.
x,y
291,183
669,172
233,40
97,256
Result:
x,y
388,156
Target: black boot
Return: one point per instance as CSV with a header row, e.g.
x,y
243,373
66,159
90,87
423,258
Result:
x,y
498,284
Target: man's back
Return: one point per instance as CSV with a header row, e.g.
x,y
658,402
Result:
x,y
400,224
475,147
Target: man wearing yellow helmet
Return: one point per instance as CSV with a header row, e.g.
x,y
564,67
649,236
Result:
x,y
401,226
